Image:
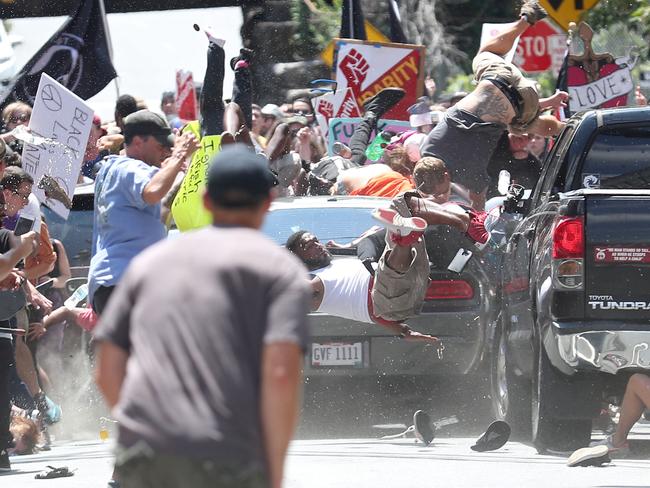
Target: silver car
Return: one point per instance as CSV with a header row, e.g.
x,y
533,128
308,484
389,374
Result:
x,y
457,308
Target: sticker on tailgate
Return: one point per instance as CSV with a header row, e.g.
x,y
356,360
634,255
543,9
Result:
x,y
622,254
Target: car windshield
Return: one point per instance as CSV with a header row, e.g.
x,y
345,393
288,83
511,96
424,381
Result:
x,y
337,224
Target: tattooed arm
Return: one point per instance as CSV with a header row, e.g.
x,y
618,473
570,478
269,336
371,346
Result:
x,y
488,103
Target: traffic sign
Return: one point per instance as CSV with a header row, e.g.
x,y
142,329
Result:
x,y
540,48
565,11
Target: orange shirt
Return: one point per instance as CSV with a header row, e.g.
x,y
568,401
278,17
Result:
x,y
387,185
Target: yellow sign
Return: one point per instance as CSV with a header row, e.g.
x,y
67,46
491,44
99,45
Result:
x,y
187,209
372,33
565,11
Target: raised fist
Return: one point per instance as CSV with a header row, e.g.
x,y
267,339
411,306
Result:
x,y
326,109
355,68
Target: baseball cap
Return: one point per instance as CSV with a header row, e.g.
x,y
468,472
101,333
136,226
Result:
x,y
238,177
148,123
273,110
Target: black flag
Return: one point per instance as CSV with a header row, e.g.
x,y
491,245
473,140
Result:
x,y
563,85
76,56
396,31
352,21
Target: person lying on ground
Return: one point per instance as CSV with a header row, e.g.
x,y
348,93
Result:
x,y
467,136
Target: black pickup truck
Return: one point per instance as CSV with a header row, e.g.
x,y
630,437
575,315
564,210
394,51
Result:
x,y
575,317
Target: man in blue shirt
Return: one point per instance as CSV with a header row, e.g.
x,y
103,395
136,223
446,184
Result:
x,y
128,191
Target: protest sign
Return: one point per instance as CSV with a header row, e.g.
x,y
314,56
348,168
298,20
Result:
x,y
187,209
368,67
61,121
186,103
340,104
598,80
341,129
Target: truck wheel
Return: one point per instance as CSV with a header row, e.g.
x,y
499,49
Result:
x,y
510,394
551,390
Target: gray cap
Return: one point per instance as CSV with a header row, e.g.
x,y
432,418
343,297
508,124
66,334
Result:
x,y
273,110
148,123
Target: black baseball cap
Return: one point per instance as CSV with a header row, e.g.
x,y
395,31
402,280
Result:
x,y
238,177
148,123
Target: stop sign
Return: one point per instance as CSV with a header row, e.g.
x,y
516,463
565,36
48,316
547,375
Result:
x,y
540,48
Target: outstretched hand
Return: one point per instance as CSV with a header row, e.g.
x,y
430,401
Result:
x,y
559,99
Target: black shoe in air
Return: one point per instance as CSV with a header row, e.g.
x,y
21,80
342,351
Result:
x,y
383,101
424,429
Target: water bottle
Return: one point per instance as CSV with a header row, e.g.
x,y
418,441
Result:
x,y
79,295
504,182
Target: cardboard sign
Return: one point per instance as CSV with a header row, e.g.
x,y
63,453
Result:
x,y
540,48
368,67
187,209
335,105
341,129
61,121
597,80
186,103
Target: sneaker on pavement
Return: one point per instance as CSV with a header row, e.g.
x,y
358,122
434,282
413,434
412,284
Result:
x,y
383,101
424,429
476,230
532,11
589,456
614,452
395,223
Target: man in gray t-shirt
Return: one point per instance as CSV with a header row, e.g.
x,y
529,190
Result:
x,y
201,345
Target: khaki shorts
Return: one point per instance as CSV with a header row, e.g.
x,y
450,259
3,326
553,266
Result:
x,y
490,65
398,296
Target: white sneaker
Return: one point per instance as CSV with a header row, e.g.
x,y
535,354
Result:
x,y
589,456
614,452
395,223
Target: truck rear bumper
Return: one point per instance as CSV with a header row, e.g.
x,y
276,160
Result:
x,y
605,350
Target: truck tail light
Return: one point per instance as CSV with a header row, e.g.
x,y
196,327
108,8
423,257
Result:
x,y
568,238
568,253
449,290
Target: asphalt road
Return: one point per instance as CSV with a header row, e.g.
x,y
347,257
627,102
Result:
x,y
371,462
338,444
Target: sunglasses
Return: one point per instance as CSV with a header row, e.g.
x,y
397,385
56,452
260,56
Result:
x,y
304,113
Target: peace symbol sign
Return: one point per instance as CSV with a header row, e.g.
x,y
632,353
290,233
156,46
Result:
x,y
51,98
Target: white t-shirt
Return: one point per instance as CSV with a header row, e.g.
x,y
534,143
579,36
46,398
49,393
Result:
x,y
32,211
345,283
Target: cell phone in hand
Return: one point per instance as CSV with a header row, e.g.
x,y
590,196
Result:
x,y
45,286
23,226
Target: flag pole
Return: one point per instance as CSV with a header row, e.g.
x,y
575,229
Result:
x,y
109,42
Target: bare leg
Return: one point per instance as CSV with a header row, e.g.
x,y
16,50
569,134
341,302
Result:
x,y
635,401
400,258
25,368
503,43
436,214
279,145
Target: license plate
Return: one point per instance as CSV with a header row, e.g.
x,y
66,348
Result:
x,y
337,354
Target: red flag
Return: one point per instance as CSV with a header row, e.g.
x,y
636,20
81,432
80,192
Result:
x,y
186,96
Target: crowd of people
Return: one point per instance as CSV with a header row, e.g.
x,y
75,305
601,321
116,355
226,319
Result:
x,y
154,299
